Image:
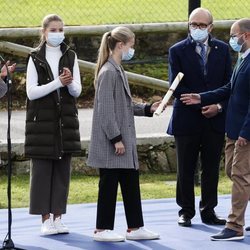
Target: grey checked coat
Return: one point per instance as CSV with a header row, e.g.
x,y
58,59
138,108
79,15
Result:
x,y
3,88
114,116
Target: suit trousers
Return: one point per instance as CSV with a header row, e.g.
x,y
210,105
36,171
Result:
x,y
49,185
238,168
208,146
130,188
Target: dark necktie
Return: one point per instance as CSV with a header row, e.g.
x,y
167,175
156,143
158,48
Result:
x,y
203,53
203,56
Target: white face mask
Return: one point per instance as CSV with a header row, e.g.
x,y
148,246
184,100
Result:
x,y
199,35
128,54
55,38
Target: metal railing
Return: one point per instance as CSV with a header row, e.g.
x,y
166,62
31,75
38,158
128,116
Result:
x,y
85,66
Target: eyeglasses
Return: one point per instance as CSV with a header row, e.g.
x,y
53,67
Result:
x,y
235,35
201,26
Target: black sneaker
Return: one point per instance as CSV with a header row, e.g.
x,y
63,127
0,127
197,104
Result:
x,y
184,221
247,231
228,234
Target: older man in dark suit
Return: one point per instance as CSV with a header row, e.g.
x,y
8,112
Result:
x,y
237,149
206,64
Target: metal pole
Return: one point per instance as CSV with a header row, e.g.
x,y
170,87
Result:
x,y
193,4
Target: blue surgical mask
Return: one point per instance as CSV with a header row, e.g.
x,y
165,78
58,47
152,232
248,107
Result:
x,y
128,54
199,35
55,38
234,44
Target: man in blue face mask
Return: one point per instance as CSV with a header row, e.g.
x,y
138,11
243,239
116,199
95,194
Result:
x,y
198,131
237,150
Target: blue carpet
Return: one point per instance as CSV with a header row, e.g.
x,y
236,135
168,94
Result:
x,y
159,215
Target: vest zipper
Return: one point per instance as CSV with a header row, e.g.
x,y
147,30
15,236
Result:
x,y
59,98
60,153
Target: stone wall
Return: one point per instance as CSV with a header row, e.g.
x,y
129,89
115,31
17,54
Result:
x,y
156,155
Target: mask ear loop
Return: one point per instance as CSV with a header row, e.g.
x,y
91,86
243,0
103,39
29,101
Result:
x,y
243,40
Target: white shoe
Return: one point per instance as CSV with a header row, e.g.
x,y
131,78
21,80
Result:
x,y
61,228
141,234
107,235
48,228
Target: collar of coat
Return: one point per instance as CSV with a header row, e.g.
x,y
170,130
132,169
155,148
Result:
x,y
193,43
123,76
113,62
41,50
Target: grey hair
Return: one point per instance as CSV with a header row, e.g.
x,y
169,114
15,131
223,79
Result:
x,y
203,10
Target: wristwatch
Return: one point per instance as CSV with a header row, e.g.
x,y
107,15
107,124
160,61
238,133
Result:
x,y
219,107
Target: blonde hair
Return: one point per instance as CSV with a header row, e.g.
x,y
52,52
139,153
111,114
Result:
x,y
45,23
108,43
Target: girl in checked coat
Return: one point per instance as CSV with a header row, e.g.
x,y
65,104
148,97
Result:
x,y
113,140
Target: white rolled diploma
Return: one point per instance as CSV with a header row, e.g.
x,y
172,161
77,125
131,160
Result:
x,y
169,93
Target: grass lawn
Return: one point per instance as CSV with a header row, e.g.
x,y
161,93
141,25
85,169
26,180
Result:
x,y
83,189
27,13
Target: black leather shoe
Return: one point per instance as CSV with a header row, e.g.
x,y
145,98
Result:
x,y
213,220
247,231
184,221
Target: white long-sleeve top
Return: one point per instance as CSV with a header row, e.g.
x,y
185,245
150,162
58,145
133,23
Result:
x,y
53,55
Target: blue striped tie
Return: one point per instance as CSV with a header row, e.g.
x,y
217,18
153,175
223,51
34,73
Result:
x,y
203,53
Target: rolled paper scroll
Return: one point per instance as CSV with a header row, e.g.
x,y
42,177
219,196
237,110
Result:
x,y
169,93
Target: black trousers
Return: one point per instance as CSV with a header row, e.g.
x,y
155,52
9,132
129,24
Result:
x,y
208,145
49,185
108,185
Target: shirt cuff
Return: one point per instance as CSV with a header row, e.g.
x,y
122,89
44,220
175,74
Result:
x,y
147,110
116,139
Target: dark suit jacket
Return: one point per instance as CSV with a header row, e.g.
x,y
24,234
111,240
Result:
x,y
238,92
188,120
